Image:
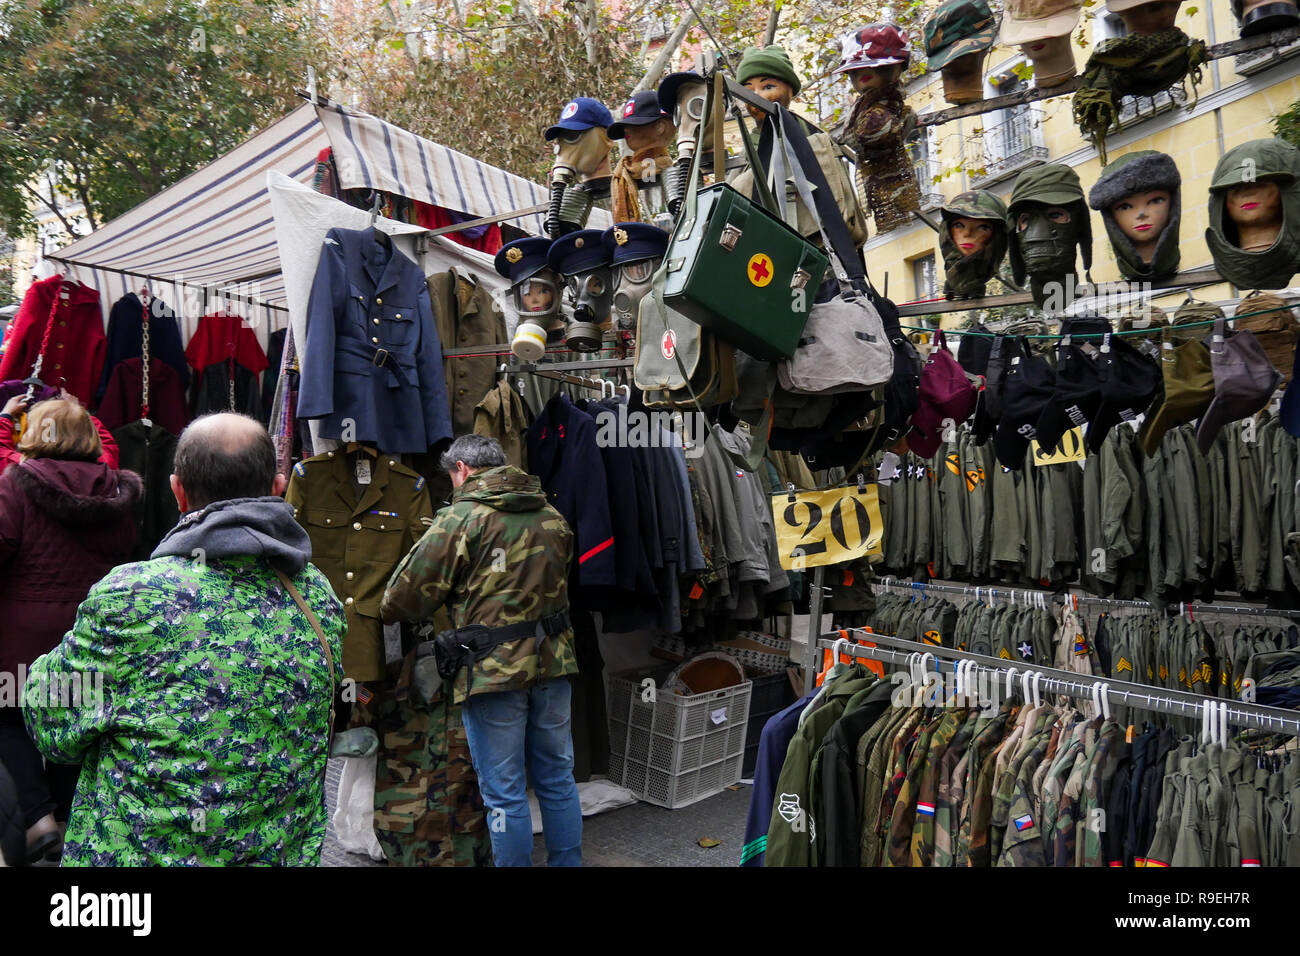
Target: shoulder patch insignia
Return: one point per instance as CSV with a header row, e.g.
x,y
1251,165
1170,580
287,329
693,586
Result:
x,y
299,470
331,242
419,483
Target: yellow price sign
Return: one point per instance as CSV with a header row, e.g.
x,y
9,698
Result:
x,y
827,527
1069,448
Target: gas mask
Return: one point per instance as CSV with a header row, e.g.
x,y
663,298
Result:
x,y
537,303
692,133
631,283
591,294
1045,239
578,156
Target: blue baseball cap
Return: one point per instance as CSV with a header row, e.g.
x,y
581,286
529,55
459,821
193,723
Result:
x,y
580,113
577,252
522,259
634,241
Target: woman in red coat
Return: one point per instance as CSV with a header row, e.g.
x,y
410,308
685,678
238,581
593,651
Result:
x,y
66,519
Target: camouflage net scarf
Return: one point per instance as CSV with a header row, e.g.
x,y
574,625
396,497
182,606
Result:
x,y
1138,66
880,122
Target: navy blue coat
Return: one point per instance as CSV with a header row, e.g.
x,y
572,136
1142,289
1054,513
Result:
x,y
372,359
563,453
125,338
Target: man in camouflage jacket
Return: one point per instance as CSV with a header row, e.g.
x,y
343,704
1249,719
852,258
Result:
x,y
204,741
498,556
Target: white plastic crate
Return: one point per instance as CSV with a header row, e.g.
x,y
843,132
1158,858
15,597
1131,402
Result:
x,y
675,750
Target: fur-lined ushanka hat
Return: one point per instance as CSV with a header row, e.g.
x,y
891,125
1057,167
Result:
x,y
1140,172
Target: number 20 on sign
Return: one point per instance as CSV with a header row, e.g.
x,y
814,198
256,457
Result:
x,y
827,527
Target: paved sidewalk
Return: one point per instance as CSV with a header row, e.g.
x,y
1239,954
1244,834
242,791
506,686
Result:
x,y
639,835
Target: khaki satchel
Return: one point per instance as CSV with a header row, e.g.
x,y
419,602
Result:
x,y
679,363
844,346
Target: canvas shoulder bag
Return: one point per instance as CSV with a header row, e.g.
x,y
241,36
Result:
x,y
844,347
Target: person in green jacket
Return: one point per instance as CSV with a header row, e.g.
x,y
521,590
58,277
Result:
x,y
208,743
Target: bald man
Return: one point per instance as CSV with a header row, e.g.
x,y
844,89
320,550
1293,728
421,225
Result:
x,y
206,677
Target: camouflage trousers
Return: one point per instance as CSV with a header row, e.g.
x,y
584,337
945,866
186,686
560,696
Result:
x,y
428,809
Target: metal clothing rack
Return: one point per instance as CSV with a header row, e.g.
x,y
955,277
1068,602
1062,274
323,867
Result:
x,y
1029,596
1178,703
554,372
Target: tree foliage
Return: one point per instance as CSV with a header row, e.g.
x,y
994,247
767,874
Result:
x,y
109,102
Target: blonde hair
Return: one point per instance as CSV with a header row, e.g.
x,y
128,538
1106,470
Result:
x,y
60,428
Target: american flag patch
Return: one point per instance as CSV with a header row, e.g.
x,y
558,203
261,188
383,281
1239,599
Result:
x,y
925,808
364,696
1025,822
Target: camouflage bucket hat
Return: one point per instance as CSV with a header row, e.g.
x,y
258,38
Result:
x,y
957,28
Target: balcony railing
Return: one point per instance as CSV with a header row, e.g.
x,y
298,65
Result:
x,y
926,170
1253,61
1004,148
1135,109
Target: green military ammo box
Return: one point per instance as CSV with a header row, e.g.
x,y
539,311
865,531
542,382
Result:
x,y
742,273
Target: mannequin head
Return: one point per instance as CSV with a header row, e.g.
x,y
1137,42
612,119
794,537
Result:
x,y
1050,227
636,250
1046,235
963,78
579,140
973,240
1148,18
957,41
684,95
584,153
769,73
971,236
1053,60
1255,208
875,77
536,295
1139,197
1142,218
643,124
773,90
658,134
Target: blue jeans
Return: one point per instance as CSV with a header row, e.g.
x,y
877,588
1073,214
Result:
x,y
517,730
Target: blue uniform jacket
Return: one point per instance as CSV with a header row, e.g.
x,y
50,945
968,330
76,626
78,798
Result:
x,y
563,453
372,367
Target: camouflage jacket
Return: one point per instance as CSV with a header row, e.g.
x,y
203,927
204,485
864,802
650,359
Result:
x,y
208,745
497,555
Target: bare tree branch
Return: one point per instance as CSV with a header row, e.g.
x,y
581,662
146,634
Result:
x,y
53,205
773,16
665,52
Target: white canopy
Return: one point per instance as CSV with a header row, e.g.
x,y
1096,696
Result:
x,y
214,229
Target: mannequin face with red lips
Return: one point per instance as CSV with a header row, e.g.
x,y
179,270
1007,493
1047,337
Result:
x,y
1256,210
972,236
1142,217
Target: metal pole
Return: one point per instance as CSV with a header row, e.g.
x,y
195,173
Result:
x,y
814,629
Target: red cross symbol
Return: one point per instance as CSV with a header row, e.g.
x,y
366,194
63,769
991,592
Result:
x,y
760,269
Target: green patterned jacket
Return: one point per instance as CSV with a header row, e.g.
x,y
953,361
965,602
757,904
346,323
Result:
x,y
208,743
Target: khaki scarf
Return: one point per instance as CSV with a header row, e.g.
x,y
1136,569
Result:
x,y
628,174
1139,65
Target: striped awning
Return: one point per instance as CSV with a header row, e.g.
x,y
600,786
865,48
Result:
x,y
212,233
370,153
